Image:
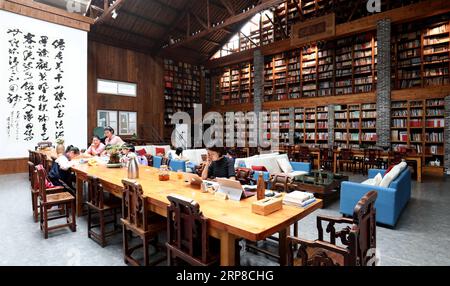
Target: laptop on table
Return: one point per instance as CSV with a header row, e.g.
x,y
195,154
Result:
x,y
234,189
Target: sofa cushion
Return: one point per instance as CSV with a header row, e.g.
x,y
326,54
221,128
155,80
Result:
x,y
141,152
285,165
391,176
160,151
259,168
389,169
374,181
296,174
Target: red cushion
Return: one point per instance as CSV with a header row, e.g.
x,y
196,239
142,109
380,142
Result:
x,y
159,151
141,152
259,168
389,169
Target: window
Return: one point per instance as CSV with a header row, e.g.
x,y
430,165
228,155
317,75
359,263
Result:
x,y
107,118
116,88
123,122
127,123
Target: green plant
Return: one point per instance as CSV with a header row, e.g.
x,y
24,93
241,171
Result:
x,y
114,153
60,141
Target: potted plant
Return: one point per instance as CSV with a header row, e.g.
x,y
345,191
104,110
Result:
x,y
60,149
114,153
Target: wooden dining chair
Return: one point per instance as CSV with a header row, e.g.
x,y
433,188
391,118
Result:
x,y
245,176
372,159
358,240
187,234
105,207
326,159
54,197
137,219
346,158
278,183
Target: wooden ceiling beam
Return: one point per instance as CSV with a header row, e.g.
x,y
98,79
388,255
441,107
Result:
x,y
264,5
108,12
228,6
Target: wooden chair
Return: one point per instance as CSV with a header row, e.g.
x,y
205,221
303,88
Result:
x,y
358,240
137,219
245,176
105,207
187,236
346,158
396,157
55,197
279,183
326,159
304,155
371,160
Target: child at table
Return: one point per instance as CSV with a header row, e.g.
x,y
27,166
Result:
x,y
128,149
60,170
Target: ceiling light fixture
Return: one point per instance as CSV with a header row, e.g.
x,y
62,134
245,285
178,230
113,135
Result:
x,y
114,14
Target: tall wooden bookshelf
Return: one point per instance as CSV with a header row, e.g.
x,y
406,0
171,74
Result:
x,y
234,85
355,125
421,54
420,125
182,88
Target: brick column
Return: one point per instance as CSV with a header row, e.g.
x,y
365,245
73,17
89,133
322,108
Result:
x,y
331,118
258,85
384,83
291,125
447,134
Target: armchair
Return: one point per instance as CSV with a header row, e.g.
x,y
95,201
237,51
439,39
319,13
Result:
x,y
358,239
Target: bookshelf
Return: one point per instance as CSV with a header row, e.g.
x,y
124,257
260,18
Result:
x,y
355,125
420,124
311,125
182,88
421,53
234,85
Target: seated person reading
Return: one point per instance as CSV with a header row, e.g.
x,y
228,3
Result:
x,y
61,168
96,148
218,165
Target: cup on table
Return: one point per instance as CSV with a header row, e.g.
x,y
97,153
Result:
x,y
180,175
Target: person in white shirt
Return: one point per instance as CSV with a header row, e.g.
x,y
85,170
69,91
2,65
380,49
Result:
x,y
61,168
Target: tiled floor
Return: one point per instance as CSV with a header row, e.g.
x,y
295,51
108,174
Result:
x,y
422,236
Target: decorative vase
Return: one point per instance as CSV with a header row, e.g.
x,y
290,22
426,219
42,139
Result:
x,y
60,148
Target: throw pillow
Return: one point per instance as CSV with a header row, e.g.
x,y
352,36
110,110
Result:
x,y
389,169
160,151
285,165
377,180
141,152
391,176
369,182
259,168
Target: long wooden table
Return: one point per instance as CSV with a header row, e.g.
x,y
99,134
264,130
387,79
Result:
x,y
228,220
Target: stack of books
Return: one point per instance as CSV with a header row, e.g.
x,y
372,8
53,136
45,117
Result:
x,y
299,199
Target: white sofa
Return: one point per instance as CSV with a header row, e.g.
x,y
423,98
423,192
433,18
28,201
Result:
x,y
271,162
151,149
194,155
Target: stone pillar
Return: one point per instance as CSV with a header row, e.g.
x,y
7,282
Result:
x,y
331,118
291,126
258,85
447,134
384,83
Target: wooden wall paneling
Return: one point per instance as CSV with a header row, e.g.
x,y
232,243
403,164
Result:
x,y
47,13
13,166
112,63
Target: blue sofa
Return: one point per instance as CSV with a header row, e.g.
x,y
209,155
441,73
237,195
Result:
x,y
296,166
177,165
157,160
390,202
